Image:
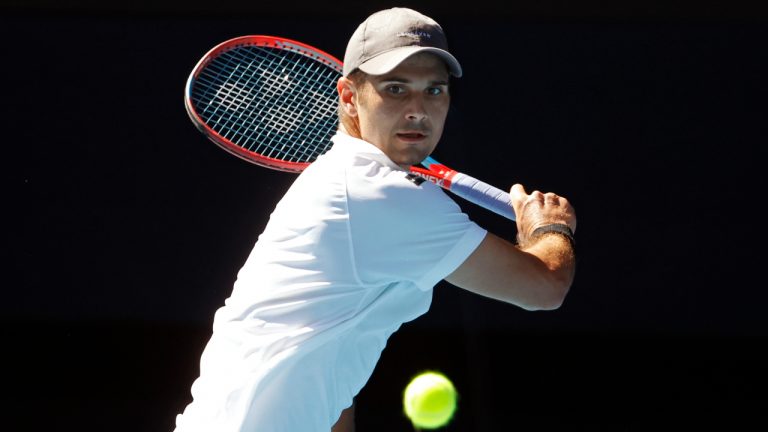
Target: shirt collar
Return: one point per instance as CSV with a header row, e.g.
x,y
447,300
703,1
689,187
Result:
x,y
349,144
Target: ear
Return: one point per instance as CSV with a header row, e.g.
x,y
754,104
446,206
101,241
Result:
x,y
346,89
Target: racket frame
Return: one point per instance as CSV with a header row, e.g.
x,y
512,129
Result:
x,y
258,41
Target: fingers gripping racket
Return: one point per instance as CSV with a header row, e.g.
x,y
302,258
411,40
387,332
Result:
x,y
272,101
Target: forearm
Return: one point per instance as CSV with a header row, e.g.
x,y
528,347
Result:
x,y
536,278
556,266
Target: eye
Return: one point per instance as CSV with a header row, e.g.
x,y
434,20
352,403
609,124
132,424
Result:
x,y
435,91
395,89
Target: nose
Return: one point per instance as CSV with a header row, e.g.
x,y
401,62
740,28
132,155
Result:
x,y
414,116
416,111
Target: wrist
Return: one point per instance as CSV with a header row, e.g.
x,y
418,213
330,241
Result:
x,y
560,229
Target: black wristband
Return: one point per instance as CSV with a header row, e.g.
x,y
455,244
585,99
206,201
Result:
x,y
562,229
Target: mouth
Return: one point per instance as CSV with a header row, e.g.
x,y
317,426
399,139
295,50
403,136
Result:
x,y
412,136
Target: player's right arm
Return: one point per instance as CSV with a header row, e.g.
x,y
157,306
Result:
x,y
535,274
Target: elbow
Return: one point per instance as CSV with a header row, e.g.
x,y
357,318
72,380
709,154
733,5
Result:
x,y
551,303
551,293
548,303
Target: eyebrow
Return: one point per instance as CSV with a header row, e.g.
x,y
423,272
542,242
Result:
x,y
396,79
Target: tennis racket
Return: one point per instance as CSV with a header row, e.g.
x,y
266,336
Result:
x,y
272,101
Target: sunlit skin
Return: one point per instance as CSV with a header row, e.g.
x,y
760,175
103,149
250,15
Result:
x,y
402,112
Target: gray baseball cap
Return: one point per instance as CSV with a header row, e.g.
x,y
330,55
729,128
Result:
x,y
390,36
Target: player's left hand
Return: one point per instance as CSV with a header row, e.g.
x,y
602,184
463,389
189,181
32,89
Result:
x,y
538,209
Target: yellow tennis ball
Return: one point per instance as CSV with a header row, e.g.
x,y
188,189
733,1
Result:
x,y
430,400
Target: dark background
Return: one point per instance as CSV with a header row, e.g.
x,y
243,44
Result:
x,y
126,228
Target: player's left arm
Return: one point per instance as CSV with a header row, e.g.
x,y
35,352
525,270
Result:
x,y
535,274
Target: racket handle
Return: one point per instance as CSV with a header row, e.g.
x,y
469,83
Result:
x,y
482,194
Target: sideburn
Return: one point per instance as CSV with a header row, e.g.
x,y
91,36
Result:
x,y
349,124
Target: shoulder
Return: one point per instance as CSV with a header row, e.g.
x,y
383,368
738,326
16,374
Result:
x,y
376,184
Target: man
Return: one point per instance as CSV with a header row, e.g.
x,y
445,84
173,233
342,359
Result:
x,y
355,247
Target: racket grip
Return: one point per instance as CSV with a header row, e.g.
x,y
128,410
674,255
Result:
x,y
482,194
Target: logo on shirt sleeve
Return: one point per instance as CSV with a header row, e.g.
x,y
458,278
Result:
x,y
415,178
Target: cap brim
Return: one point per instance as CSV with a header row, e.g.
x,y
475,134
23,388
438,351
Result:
x,y
388,60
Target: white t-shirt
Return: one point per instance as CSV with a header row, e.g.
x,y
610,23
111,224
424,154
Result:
x,y
349,254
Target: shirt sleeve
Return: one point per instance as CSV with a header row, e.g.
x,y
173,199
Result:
x,y
405,231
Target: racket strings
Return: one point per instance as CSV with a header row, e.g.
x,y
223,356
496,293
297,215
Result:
x,y
277,104
230,83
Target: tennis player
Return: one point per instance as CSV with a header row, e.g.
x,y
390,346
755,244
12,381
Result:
x,y
356,245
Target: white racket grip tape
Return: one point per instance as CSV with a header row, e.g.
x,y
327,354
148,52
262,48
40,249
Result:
x,y
482,194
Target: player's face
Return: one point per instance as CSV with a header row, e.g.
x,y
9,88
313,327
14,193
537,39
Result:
x,y
403,112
